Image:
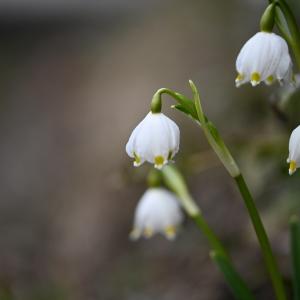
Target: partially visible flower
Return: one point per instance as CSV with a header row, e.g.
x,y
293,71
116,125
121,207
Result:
x,y
264,57
158,211
294,151
285,93
155,139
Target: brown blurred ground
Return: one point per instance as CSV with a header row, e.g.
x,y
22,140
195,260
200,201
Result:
x,y
75,81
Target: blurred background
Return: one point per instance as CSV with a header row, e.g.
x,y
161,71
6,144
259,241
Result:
x,y
76,78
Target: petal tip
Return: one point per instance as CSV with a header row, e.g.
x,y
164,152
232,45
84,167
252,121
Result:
x,y
293,167
135,234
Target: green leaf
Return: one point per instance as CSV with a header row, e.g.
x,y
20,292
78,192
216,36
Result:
x,y
186,110
197,102
186,104
235,282
174,180
295,253
282,24
213,131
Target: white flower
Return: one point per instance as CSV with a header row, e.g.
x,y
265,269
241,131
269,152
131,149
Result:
x,y
264,57
294,151
155,139
158,211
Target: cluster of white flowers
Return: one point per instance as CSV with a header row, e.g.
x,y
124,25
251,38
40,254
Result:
x,y
156,140
264,57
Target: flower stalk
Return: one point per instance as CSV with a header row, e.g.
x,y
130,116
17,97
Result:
x,y
175,182
229,163
222,151
295,253
292,35
262,238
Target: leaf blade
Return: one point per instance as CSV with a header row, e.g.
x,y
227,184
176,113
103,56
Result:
x,y
295,253
235,282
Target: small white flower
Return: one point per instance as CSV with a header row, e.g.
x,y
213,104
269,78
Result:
x,y
294,151
264,57
155,139
158,211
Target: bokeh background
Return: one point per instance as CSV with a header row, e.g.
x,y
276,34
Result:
x,y
76,78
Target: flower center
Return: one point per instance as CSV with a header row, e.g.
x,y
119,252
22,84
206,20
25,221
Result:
x,y
148,232
137,159
270,79
159,160
240,77
255,77
170,232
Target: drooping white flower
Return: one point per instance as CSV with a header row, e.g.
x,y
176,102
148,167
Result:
x,y
264,57
294,151
155,139
158,211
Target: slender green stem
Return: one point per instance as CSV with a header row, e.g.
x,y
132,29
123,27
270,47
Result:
x,y
175,182
290,19
237,285
183,102
295,252
210,235
156,100
282,26
294,40
263,239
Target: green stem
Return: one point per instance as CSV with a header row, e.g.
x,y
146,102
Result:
x,y
263,239
156,102
281,26
295,252
182,101
176,183
235,282
212,238
294,41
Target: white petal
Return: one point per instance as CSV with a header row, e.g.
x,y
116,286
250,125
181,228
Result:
x,y
294,146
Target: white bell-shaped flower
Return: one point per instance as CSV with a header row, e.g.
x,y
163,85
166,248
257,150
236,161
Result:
x,y
294,151
158,211
264,57
155,139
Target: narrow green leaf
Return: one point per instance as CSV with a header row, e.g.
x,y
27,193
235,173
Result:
x,y
214,131
186,103
295,253
197,102
185,110
235,282
174,180
282,24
